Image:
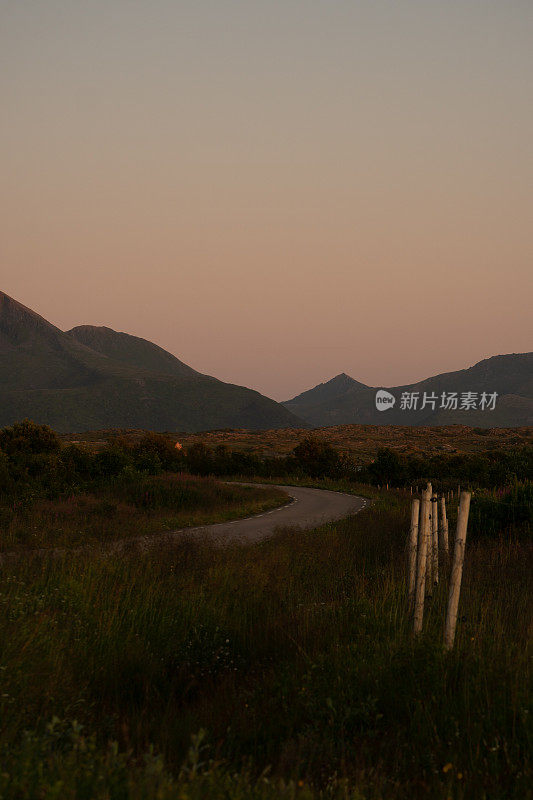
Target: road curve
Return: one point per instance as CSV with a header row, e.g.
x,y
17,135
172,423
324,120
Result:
x,y
308,508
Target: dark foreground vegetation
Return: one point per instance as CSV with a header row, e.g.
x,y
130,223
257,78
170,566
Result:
x,y
283,670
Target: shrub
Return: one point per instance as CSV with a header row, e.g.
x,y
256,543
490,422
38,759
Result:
x,y
317,459
27,437
156,449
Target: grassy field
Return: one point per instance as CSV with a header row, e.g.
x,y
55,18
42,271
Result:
x,y
127,507
282,670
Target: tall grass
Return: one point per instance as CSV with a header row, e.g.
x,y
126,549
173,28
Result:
x,y
507,509
128,505
295,656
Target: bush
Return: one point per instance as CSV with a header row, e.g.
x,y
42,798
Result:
x,y
317,459
26,437
388,468
156,449
6,482
111,461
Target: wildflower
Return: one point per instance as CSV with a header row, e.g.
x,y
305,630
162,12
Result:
x,y
447,767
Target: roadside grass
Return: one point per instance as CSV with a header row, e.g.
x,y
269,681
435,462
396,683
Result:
x,y
295,656
331,484
126,507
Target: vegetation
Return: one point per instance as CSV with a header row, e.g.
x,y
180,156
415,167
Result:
x,y
283,670
318,459
489,469
494,513
362,442
294,656
52,496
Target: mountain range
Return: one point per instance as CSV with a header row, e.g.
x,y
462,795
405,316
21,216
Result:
x,y
91,378
343,400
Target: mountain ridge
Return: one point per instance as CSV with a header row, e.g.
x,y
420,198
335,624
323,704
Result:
x,y
338,402
130,350
57,378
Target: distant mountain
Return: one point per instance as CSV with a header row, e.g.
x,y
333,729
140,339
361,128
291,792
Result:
x,y
93,378
344,400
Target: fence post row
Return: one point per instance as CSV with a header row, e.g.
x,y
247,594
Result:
x,y
426,535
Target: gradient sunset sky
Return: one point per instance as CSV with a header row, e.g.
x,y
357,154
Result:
x,y
276,191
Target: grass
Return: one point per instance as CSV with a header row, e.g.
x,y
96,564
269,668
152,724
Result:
x,y
330,484
289,665
128,507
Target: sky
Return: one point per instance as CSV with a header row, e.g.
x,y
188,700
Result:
x,y
276,191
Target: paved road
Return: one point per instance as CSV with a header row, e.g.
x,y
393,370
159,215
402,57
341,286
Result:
x,y
308,508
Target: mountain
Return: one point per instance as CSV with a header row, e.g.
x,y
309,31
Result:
x,y
92,378
131,351
344,400
330,400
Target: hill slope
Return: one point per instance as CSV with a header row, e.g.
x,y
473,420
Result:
x,y
343,400
97,378
131,351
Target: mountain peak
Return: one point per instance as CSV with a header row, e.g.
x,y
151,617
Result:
x,y
340,384
19,324
342,377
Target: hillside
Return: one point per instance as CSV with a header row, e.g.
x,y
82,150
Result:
x,y
97,378
343,400
131,351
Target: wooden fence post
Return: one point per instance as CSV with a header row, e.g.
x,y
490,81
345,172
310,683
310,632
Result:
x,y
435,539
457,570
421,563
429,545
444,527
413,547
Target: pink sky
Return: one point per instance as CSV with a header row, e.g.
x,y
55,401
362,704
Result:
x,y
275,192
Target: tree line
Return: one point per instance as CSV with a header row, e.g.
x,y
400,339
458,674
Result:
x,y
33,458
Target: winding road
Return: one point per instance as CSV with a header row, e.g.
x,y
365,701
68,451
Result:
x,y
308,508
